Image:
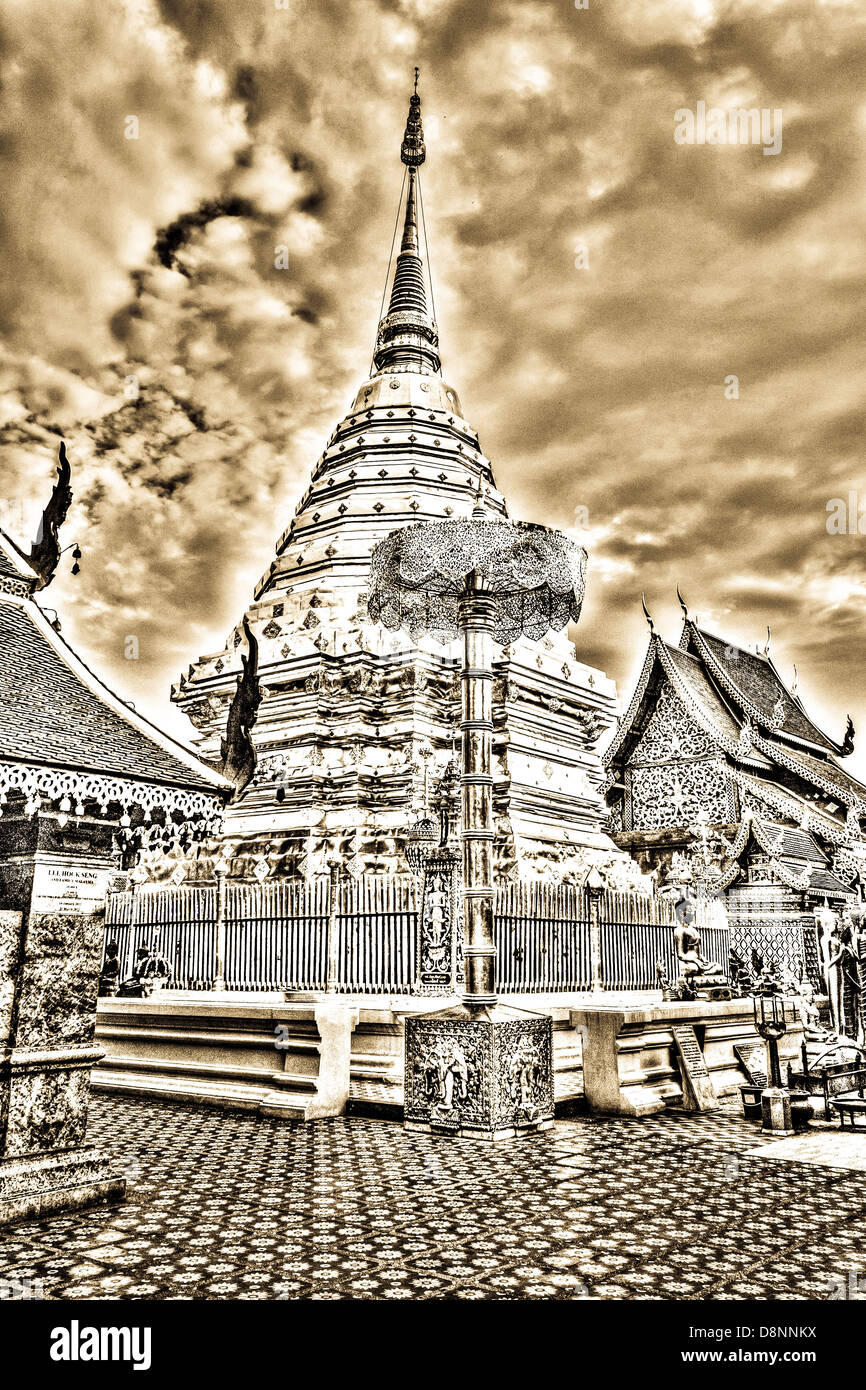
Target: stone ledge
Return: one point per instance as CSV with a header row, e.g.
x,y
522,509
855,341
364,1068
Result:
x,y
49,1184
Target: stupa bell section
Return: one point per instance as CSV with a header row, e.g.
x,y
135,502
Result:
x,y
355,721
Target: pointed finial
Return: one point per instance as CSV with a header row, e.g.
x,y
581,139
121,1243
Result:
x,y
767,645
413,150
417,75
646,614
682,603
479,510
795,680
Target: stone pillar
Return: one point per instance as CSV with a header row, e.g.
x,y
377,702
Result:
x,y
476,787
594,890
219,979
52,912
333,953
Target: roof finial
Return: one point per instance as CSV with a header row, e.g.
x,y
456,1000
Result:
x,y
417,74
646,614
413,150
407,334
479,510
795,681
767,645
682,603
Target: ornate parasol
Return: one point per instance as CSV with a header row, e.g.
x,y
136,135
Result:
x,y
483,579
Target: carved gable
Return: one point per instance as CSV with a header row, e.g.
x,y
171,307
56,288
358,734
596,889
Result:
x,y
671,734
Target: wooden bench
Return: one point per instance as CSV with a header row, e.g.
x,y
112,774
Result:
x,y
840,1079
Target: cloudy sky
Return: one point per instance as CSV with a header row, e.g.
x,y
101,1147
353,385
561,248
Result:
x,y
146,266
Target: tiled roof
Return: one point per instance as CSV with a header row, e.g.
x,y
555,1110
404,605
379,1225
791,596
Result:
x,y
825,882
827,769
13,565
52,710
755,680
797,844
7,569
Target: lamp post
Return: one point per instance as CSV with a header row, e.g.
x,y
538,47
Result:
x,y
482,1067
771,1024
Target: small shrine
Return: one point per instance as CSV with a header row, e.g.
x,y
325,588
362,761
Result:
x,y
84,780
721,785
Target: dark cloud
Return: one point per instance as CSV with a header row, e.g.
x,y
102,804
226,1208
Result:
x,y
173,238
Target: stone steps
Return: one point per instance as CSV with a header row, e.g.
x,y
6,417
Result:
x,y
289,1061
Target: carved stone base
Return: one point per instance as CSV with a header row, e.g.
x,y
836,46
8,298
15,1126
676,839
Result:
x,y
486,1074
31,1188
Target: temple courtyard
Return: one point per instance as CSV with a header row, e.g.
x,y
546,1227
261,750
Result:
x,y
227,1205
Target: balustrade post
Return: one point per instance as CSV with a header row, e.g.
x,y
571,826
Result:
x,y
219,979
333,944
595,889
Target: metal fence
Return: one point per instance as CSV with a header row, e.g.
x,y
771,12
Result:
x,y
637,936
362,937
542,936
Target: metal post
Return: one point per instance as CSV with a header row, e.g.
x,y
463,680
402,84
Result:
x,y
219,979
333,952
594,892
476,783
775,1070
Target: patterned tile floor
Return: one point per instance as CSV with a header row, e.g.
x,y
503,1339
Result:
x,y
225,1205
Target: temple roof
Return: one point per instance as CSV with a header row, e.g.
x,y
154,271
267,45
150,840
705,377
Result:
x,y
54,711
740,700
751,679
823,772
14,567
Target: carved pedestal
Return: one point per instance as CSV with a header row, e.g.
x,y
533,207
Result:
x,y
51,926
486,1073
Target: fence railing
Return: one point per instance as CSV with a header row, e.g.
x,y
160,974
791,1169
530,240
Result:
x,y
637,935
542,934
363,937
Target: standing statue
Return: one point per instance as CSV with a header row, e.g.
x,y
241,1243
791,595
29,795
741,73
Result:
x,y
843,981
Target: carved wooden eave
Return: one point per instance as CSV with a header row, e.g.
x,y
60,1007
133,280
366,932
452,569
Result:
x,y
77,793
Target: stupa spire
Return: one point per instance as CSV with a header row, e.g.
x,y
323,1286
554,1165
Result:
x,y
407,336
